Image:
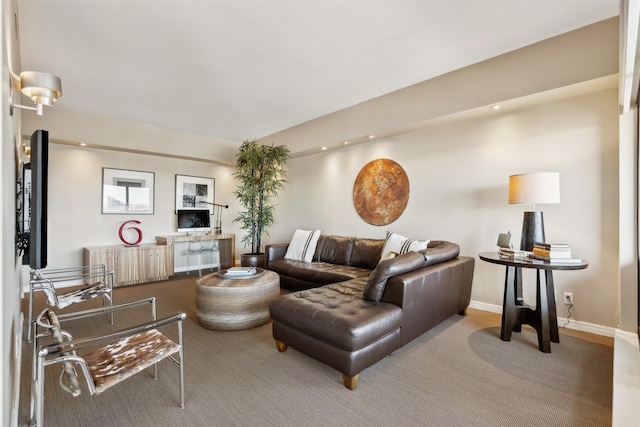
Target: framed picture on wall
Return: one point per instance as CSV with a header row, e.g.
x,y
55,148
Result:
x,y
194,192
127,192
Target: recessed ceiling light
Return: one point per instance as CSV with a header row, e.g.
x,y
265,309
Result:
x,y
371,136
495,107
82,144
323,148
346,142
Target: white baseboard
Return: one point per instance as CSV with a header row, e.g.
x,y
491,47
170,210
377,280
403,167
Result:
x,y
562,322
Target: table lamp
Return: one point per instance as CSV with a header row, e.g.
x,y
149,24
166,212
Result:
x,y
533,188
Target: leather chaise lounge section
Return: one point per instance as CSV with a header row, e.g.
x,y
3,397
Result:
x,y
351,315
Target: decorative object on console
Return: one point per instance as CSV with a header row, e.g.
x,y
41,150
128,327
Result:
x,y
137,230
261,173
395,245
381,192
42,88
303,245
195,192
127,192
541,187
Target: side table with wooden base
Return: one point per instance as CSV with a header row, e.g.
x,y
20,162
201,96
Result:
x,y
515,312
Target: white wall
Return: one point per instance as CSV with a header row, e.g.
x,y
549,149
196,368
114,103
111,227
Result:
x,y
10,332
458,173
75,198
75,178
628,221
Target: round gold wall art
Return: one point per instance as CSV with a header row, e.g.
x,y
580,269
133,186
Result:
x,y
381,192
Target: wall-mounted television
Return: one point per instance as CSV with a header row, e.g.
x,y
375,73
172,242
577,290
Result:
x,y
194,220
36,255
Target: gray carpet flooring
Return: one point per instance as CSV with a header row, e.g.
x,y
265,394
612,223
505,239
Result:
x,y
458,374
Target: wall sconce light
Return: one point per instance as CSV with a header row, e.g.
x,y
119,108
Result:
x,y
42,88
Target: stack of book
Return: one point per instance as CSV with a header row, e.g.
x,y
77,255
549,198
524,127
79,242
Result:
x,y
557,253
511,253
241,271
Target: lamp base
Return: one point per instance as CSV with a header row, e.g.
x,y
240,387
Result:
x,y
532,230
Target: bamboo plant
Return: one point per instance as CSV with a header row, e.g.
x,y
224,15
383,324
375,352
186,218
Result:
x,y
261,175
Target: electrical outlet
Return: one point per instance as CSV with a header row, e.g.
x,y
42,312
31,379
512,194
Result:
x,y
568,298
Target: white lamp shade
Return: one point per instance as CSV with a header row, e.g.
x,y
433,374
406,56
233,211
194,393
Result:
x,y
42,88
541,187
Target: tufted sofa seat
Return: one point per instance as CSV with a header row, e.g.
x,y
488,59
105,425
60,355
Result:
x,y
352,324
349,321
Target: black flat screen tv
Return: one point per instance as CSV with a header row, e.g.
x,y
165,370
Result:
x,y
37,252
194,220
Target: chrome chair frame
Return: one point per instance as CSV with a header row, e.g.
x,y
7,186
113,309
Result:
x,y
98,280
64,351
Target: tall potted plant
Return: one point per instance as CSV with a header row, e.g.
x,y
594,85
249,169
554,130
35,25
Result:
x,y
261,175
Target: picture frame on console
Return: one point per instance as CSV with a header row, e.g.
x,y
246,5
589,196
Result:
x,y
194,192
127,192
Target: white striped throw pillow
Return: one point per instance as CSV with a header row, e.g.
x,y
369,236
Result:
x,y
396,244
303,245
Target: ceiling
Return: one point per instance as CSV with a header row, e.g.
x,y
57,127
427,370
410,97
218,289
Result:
x,y
236,70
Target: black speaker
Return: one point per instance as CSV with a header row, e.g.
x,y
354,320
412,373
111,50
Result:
x,y
38,202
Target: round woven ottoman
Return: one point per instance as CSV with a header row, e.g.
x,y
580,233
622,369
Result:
x,y
238,303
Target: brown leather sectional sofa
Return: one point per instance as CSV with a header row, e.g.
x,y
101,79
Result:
x,y
354,310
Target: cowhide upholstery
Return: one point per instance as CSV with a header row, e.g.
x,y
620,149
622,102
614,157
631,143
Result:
x,y
73,297
115,362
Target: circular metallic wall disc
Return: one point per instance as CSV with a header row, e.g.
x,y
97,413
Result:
x,y
381,192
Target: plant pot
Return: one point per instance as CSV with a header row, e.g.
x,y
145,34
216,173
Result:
x,y
252,260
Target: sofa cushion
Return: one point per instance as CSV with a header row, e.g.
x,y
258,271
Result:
x,y
366,253
395,244
337,314
317,272
336,250
388,268
303,245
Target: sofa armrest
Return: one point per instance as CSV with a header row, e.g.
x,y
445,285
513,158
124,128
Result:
x,y
273,252
430,294
439,251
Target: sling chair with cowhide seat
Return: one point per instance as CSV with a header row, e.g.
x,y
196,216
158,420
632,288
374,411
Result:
x,y
96,281
104,360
